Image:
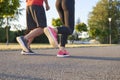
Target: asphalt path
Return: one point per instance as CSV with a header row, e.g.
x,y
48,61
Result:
x,y
85,63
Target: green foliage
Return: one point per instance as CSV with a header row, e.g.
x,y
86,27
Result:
x,y
81,27
8,7
94,32
41,39
9,11
98,20
2,35
71,37
56,22
1,21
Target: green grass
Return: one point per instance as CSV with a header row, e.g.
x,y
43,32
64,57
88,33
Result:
x,y
15,46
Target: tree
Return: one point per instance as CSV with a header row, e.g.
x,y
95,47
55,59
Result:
x,y
81,27
9,12
9,7
98,21
56,22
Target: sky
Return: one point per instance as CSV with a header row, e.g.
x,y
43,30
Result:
x,y
82,9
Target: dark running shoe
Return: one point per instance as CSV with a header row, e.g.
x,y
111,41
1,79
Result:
x,y
30,52
23,43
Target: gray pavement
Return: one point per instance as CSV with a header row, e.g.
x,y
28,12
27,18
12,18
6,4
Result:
x,y
85,63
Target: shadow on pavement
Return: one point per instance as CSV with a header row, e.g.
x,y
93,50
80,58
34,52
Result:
x,y
38,54
82,57
4,76
96,58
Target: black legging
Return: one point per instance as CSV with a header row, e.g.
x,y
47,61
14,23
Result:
x,y
65,10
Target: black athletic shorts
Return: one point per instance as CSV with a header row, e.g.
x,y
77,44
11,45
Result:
x,y
36,17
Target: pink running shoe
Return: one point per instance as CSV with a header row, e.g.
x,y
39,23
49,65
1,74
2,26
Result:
x,y
63,53
52,36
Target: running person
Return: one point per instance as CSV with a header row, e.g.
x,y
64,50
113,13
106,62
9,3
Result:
x,y
66,11
36,22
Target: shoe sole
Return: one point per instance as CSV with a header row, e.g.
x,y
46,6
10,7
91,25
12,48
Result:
x,y
63,55
19,40
51,38
23,53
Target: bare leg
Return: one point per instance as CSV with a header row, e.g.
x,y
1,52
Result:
x,y
32,34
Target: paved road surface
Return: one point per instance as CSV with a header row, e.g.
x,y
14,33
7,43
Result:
x,y
85,63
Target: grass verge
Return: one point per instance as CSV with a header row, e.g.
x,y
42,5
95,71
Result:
x,y
15,46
